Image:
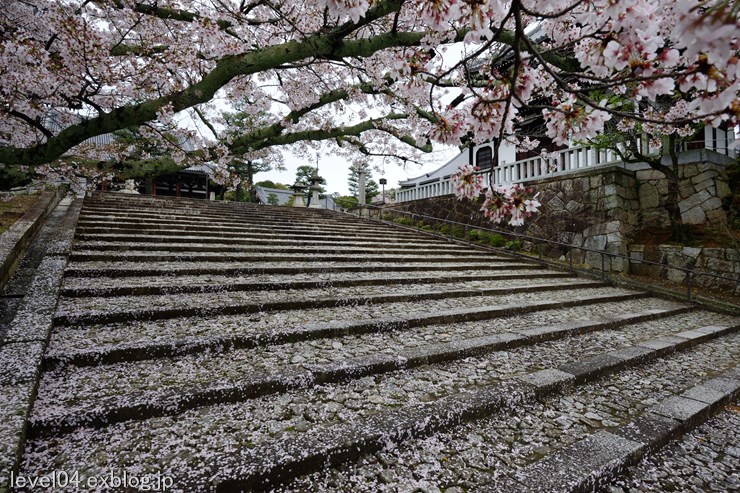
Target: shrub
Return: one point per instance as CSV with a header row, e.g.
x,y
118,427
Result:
x,y
496,240
514,245
444,229
474,235
405,221
458,232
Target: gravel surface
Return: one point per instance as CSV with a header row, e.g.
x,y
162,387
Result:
x,y
706,459
324,277
74,306
485,450
65,339
197,371
192,442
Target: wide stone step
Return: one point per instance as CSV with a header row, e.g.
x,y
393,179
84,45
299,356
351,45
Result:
x,y
91,224
111,286
275,230
207,214
581,435
276,255
166,236
225,446
243,223
87,248
275,239
106,310
157,388
130,341
378,433
191,208
174,268
705,459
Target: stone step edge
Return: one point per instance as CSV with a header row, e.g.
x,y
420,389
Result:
x,y
163,271
318,256
276,286
26,340
594,461
95,317
292,247
265,466
153,225
311,331
268,242
227,237
247,229
110,411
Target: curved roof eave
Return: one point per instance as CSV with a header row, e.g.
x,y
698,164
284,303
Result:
x,y
437,172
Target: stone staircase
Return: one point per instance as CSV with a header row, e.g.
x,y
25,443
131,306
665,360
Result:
x,y
254,348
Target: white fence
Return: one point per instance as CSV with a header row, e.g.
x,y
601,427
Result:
x,y
535,168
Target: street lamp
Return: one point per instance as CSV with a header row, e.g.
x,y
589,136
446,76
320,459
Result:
x,y
383,181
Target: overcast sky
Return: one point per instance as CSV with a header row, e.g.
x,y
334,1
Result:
x,y
336,170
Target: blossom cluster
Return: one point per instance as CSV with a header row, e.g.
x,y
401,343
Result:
x,y
467,182
513,203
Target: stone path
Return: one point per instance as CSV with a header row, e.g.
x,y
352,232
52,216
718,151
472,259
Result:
x,y
250,348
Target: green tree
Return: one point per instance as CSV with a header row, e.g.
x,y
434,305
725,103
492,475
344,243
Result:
x,y
13,176
272,199
272,184
304,174
371,186
346,201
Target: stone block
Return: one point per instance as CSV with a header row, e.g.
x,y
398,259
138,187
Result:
x,y
685,189
716,216
548,381
556,204
711,204
723,189
650,429
632,354
590,368
596,242
688,411
649,174
574,207
580,467
649,197
665,344
691,252
596,229
715,392
708,175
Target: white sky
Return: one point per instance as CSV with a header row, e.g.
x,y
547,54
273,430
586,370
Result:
x,y
336,170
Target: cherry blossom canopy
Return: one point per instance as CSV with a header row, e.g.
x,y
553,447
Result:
x,y
369,77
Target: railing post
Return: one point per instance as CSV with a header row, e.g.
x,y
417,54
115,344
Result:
x,y
688,286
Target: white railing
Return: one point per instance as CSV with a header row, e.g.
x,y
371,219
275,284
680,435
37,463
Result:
x,y
561,162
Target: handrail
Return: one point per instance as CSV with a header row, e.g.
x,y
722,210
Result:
x,y
690,273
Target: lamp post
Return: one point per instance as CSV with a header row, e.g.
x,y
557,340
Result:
x,y
383,181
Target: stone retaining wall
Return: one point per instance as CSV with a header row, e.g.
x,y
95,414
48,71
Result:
x,y
15,241
599,208
721,261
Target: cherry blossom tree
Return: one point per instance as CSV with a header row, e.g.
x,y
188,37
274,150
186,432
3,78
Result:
x,y
369,77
